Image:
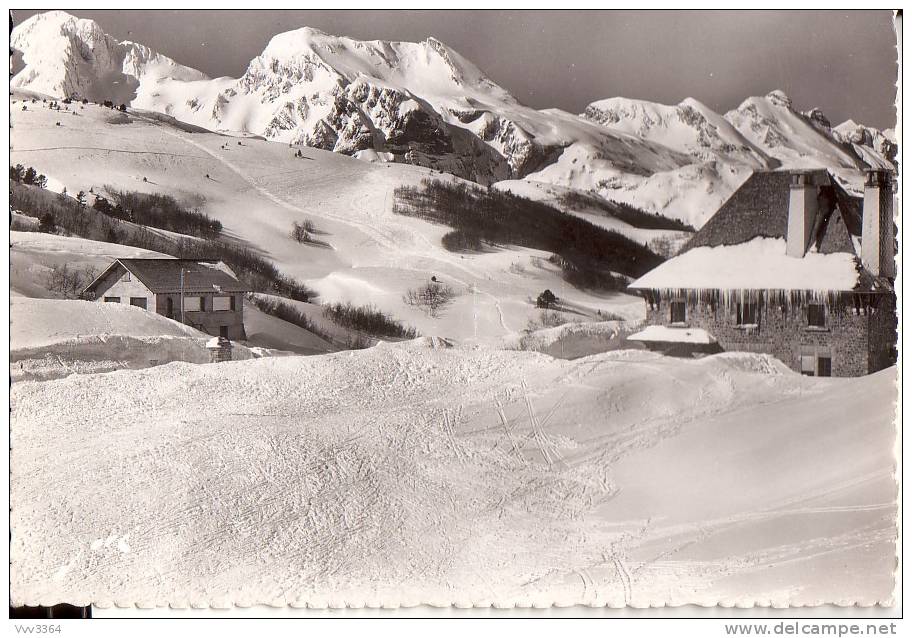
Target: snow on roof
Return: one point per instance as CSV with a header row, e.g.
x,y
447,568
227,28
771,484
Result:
x,y
672,335
759,264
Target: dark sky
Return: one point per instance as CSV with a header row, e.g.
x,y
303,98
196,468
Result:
x,y
841,61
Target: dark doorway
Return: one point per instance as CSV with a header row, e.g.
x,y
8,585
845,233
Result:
x,y
678,312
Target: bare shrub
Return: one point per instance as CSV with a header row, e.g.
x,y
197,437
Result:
x,y
159,210
517,268
367,319
607,315
431,298
303,233
546,319
69,282
23,223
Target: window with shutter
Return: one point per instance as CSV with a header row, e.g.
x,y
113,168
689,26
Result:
x,y
808,362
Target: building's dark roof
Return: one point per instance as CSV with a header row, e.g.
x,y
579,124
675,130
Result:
x,y
759,208
176,275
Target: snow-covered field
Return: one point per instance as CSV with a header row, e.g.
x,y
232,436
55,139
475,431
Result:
x,y
407,473
258,189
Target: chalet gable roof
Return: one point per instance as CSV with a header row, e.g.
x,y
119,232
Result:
x,y
759,208
178,275
743,246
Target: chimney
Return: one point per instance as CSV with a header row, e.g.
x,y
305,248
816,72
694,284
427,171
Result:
x,y
877,224
802,213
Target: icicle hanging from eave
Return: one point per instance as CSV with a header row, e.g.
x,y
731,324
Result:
x,y
729,297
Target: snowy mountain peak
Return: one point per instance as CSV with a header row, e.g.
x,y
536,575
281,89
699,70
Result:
x,y
803,140
54,28
690,127
694,103
425,67
779,98
61,22
59,54
848,125
817,116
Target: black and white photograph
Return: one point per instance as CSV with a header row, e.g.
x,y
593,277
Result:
x,y
403,309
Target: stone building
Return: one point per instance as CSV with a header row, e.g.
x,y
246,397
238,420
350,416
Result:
x,y
791,265
202,294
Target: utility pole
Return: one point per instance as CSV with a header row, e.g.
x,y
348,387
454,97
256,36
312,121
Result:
x,y
182,295
474,311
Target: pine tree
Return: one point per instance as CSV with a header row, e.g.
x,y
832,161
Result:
x,y
546,300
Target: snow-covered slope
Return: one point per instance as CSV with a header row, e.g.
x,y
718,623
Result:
x,y
511,478
33,255
258,189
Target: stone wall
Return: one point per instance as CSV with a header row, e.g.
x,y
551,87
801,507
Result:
x,y
882,337
857,341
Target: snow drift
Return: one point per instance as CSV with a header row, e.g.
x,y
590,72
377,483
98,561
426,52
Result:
x,y
405,474
52,338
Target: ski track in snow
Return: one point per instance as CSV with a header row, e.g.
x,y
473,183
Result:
x,y
99,148
408,473
373,231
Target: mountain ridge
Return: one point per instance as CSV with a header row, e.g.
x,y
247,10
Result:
x,y
424,103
